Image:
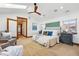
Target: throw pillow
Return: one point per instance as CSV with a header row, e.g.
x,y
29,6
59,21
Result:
x,y
50,33
45,33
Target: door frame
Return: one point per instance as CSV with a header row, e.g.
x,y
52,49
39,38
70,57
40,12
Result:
x,y
8,19
25,20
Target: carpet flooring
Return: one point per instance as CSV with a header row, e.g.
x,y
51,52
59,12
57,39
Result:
x,y
31,48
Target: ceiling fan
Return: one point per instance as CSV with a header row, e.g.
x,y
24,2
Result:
x,y
35,10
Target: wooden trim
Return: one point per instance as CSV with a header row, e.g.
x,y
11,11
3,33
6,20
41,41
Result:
x,y
17,29
25,20
76,44
24,35
26,28
29,36
21,28
11,19
21,17
8,25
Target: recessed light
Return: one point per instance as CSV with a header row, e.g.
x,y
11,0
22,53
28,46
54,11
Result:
x,y
55,10
61,7
67,11
43,15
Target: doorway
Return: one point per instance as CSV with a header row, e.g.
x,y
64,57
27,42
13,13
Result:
x,y
17,27
22,27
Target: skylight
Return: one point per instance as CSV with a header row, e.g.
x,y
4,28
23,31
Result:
x,y
15,6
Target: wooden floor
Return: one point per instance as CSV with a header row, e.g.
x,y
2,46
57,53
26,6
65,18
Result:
x,y
32,48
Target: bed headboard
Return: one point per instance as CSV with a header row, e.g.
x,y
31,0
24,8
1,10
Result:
x,y
52,26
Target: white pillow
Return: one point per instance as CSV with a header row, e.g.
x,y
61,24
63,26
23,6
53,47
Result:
x,y
4,34
55,32
1,49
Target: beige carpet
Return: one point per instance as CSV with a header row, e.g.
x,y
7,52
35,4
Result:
x,y
32,48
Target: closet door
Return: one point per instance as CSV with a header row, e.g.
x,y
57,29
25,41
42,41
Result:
x,y
13,27
24,29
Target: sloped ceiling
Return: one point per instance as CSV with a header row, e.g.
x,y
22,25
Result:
x,y
47,9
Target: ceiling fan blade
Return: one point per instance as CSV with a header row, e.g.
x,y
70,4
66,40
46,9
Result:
x,y
38,13
35,8
30,12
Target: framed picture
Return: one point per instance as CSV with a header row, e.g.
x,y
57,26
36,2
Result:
x,y
70,25
34,26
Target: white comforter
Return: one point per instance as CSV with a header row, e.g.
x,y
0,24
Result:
x,y
13,51
44,39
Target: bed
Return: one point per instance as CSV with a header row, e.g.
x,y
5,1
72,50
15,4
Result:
x,y
45,40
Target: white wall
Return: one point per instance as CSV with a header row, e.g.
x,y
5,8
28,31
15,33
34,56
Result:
x,y
35,19
67,17
3,21
30,31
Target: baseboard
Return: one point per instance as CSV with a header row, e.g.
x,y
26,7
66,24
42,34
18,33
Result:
x,y
24,35
29,36
76,44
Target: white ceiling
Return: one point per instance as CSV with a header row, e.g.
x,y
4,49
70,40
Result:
x,y
47,9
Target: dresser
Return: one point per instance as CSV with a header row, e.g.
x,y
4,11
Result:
x,y
66,38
